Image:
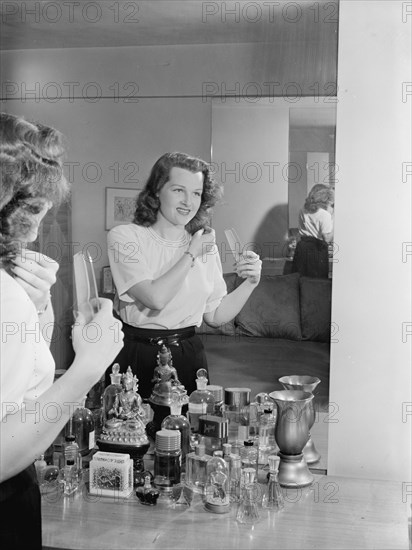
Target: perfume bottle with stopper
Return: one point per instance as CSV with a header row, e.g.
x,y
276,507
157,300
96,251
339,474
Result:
x,y
147,494
273,496
201,401
180,493
69,474
196,464
248,511
110,393
176,421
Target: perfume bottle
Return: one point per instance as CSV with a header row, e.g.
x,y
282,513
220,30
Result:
x,y
266,437
201,401
216,493
249,456
237,412
217,392
180,493
81,425
40,465
167,459
71,453
147,494
110,392
235,478
248,512
69,477
196,468
176,421
273,496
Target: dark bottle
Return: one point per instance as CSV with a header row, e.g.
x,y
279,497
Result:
x,y
167,459
176,421
147,494
81,425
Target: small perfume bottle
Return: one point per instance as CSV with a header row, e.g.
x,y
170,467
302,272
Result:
x,y
180,493
249,456
273,496
201,401
40,466
217,392
248,511
69,477
147,494
235,478
196,468
176,421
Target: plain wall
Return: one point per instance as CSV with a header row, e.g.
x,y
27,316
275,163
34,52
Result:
x,y
370,378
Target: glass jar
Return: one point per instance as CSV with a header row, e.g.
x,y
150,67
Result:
x,y
167,459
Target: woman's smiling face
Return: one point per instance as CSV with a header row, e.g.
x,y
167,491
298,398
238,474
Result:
x,y
181,196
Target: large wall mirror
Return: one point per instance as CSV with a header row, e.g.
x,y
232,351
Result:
x,y
249,86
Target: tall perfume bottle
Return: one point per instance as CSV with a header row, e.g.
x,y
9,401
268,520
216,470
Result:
x,y
167,459
273,496
201,401
196,465
176,421
81,425
248,512
110,393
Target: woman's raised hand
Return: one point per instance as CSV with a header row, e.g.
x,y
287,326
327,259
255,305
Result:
x,y
36,273
249,266
202,242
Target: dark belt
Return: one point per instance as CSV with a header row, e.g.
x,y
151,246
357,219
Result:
x,y
156,337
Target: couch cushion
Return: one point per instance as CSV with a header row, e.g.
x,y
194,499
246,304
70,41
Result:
x,y
315,308
273,309
227,329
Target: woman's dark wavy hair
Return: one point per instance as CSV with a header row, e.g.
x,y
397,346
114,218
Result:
x,y
31,162
320,196
148,204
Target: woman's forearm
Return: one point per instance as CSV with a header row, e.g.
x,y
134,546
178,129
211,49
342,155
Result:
x,y
230,305
157,294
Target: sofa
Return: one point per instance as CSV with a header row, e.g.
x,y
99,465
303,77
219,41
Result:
x,y
283,329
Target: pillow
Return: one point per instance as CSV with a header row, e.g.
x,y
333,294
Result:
x,y
273,309
315,308
227,329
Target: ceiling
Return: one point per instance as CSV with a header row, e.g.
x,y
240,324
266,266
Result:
x,y
120,23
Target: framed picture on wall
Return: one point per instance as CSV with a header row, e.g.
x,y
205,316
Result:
x,y
107,281
120,205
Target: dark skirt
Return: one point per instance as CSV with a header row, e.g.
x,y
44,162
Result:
x,y
20,512
140,350
311,258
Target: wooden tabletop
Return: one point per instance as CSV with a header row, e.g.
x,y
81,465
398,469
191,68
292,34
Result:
x,y
333,513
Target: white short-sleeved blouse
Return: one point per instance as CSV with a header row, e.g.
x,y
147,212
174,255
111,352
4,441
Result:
x,y
27,366
315,224
138,253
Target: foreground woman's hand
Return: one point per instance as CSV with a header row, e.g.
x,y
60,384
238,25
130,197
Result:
x,y
98,342
36,273
249,266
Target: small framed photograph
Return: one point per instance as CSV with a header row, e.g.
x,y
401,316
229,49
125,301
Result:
x,y
120,206
107,281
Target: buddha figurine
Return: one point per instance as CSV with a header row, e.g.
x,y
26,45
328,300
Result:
x,y
166,381
126,421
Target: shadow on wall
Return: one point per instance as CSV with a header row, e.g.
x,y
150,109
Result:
x,y
270,239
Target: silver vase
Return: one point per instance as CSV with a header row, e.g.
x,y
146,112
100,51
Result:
x,y
292,434
307,384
